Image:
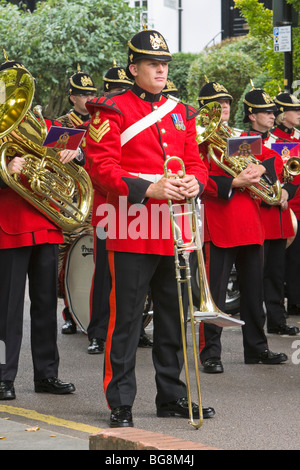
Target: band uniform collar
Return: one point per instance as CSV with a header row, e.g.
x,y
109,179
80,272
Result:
x,y
264,135
287,130
83,117
146,95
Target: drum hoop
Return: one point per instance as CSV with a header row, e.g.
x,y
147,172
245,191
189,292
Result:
x,y
73,315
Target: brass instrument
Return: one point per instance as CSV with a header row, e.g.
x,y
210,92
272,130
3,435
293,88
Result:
x,y
291,168
216,134
62,192
183,275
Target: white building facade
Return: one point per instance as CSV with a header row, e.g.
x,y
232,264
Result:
x,y
187,25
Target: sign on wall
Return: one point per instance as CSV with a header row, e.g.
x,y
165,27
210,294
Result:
x,y
282,39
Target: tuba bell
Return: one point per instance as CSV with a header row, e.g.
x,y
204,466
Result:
x,y
216,133
62,192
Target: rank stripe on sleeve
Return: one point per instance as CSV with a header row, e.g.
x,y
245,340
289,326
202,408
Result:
x,y
97,133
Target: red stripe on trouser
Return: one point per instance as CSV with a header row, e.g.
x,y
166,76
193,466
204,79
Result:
x,y
93,278
111,324
201,326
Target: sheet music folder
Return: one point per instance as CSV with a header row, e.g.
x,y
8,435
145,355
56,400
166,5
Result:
x,y
219,319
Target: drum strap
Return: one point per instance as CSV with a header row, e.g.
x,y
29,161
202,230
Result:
x,y
148,120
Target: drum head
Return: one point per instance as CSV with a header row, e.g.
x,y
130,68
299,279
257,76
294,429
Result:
x,y
78,279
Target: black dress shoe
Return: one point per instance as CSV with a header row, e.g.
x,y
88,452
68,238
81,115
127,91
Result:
x,y
53,385
7,391
284,330
121,417
213,365
181,407
267,357
69,328
96,346
145,341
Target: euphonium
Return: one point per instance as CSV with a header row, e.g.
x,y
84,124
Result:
x,y
62,192
216,133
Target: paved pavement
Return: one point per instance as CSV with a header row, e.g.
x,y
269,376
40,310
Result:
x,y
257,406
20,436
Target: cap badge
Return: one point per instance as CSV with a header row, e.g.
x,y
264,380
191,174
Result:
x,y
85,81
267,98
122,74
219,87
157,42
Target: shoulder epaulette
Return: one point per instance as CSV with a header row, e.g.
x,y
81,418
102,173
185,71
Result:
x,y
106,102
75,120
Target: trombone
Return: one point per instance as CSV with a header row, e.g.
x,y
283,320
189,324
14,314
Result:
x,y
184,249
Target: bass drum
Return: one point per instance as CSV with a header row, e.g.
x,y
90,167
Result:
x,y
79,272
78,276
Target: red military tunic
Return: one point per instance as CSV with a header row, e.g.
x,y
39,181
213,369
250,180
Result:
x,y
283,135
232,217
21,224
293,137
111,167
277,222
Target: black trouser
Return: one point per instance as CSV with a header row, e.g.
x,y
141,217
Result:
x,y
274,267
132,273
40,263
292,270
100,292
248,261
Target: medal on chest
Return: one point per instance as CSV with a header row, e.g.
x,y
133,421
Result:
x,y
178,122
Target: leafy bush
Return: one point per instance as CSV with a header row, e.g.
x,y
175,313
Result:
x,y
232,65
178,72
260,22
60,34
258,82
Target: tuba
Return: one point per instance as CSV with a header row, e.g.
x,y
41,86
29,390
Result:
x,y
62,192
210,129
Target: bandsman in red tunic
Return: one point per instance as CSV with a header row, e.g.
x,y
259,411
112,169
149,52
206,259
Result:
x,y
234,234
259,110
81,89
116,81
28,247
130,137
286,130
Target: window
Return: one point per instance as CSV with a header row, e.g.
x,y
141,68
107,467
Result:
x,y
143,4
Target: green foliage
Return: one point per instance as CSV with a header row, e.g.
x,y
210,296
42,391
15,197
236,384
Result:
x,y
178,72
260,22
232,65
259,82
295,4
259,19
58,35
